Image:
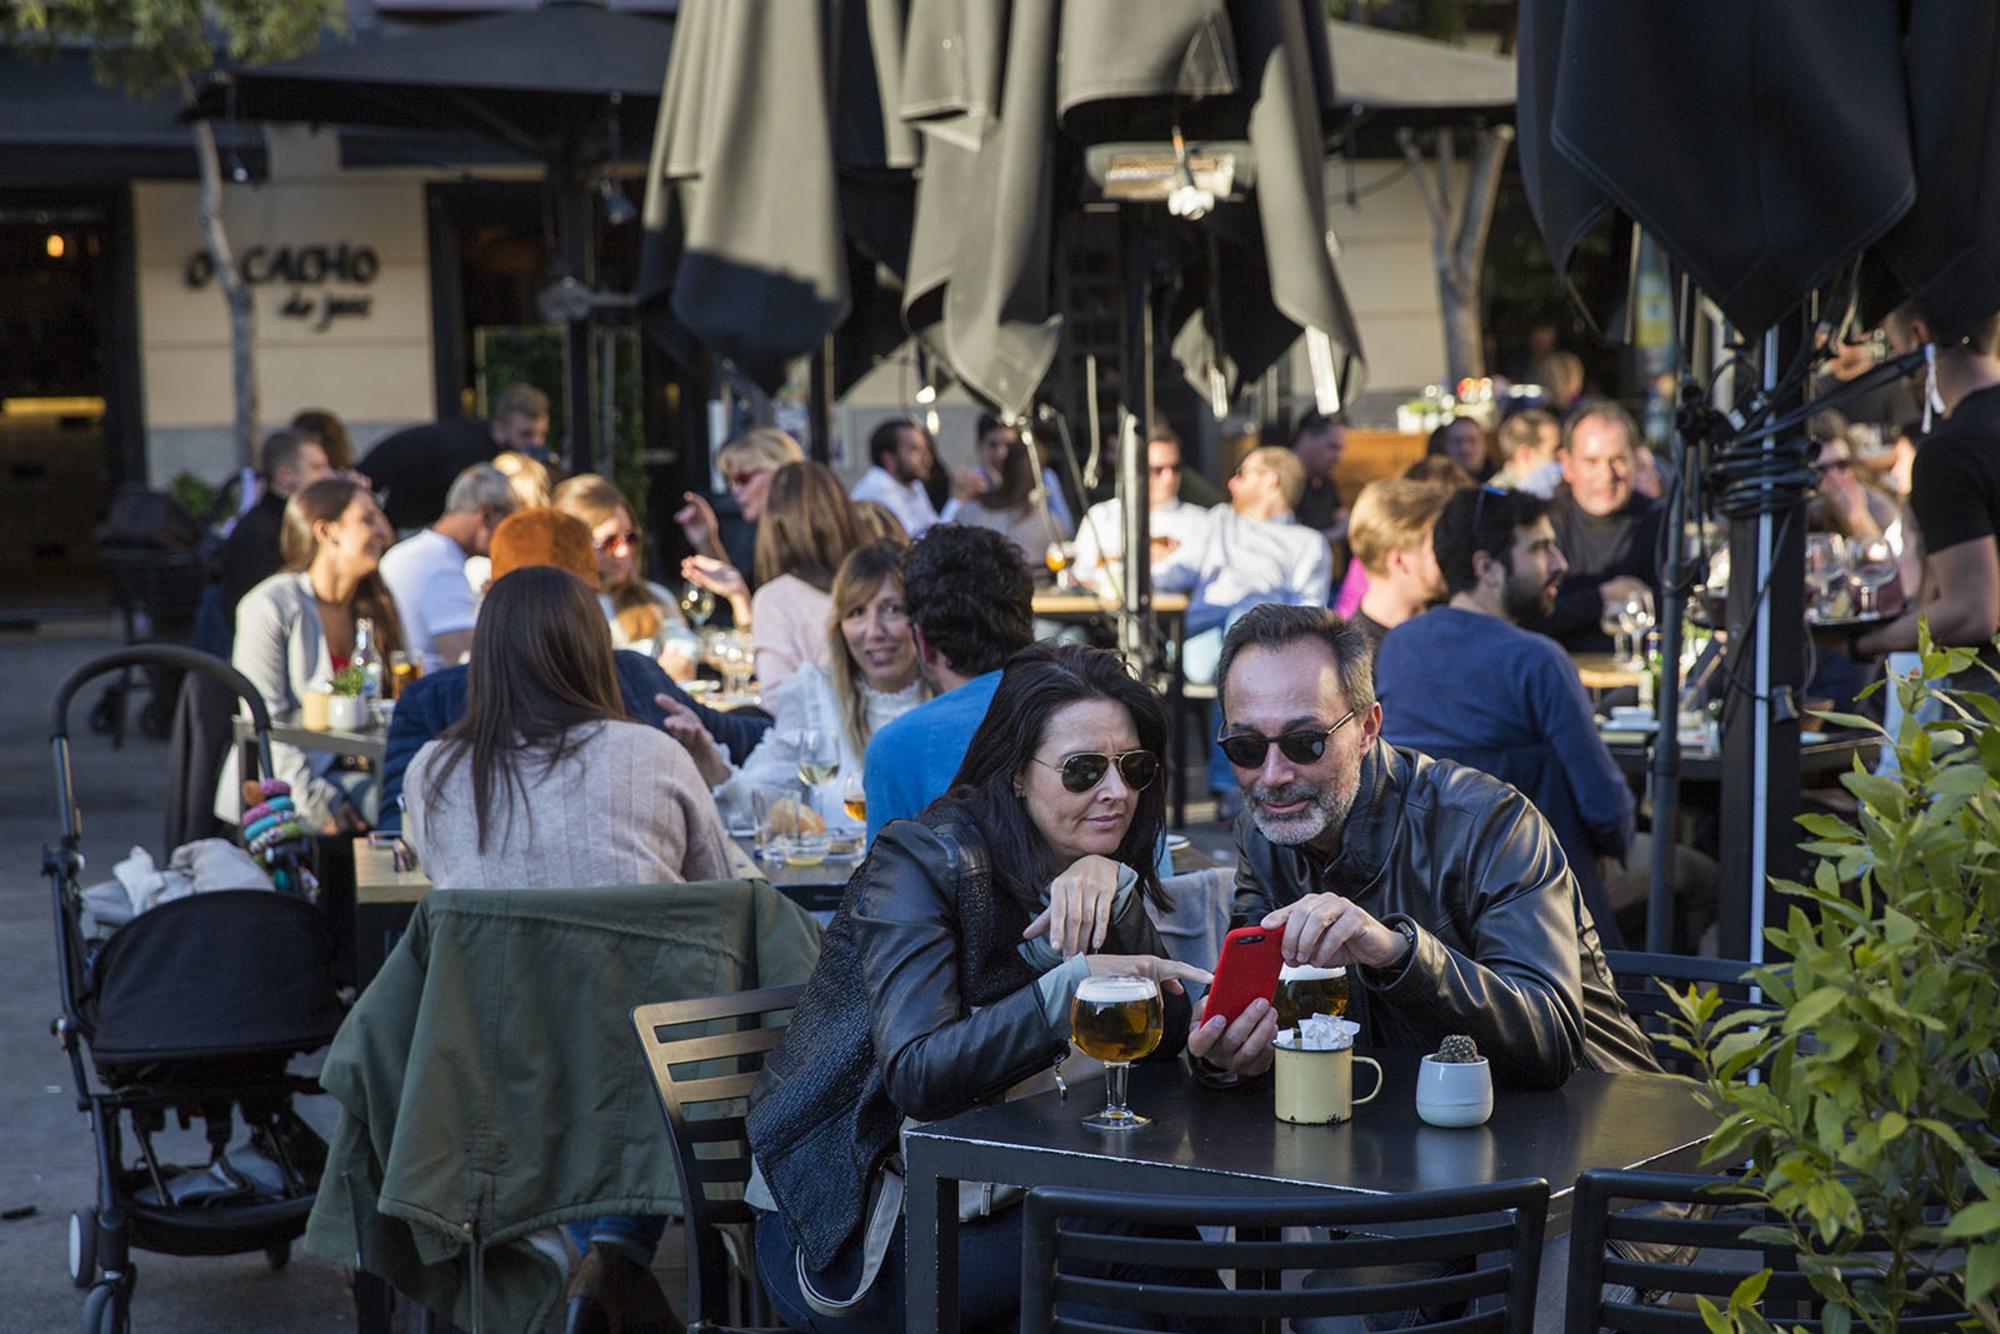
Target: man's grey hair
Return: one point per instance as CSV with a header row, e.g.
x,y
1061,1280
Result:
x,y
482,486
1273,626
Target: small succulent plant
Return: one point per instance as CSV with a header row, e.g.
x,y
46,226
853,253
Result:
x,y
1457,1050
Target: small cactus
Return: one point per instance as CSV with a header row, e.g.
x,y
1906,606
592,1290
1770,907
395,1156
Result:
x,y
1457,1050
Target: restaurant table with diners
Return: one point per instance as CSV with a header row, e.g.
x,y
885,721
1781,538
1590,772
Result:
x,y
1228,1142
388,883
362,744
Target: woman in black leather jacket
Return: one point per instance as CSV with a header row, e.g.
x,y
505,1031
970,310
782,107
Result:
x,y
946,979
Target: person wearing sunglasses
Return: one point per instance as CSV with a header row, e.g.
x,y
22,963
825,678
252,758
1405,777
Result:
x,y
902,457
1173,522
1442,890
946,978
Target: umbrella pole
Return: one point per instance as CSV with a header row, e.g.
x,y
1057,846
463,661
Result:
x,y
1135,391
573,229
1666,788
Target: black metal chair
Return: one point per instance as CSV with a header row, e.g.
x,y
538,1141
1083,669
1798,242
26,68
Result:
x,y
1639,979
1611,1222
1485,1240
705,1057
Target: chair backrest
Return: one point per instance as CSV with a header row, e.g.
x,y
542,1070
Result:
x,y
1634,1231
1474,1253
705,1056
1641,978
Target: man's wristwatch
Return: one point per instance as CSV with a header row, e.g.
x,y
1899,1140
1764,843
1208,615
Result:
x,y
1408,929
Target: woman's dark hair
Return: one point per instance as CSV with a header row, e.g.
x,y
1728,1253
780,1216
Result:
x,y
1038,681
1481,519
326,501
1016,489
808,526
970,593
326,428
541,670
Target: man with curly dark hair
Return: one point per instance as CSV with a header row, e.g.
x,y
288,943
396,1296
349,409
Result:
x,y
970,600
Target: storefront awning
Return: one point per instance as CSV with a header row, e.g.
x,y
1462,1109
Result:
x,y
58,124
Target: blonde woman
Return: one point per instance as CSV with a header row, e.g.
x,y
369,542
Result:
x,y
530,479
872,680
747,465
643,615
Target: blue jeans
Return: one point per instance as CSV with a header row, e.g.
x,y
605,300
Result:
x,y
636,1237
989,1281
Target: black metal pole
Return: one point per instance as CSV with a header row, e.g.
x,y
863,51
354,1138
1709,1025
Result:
x,y
1665,786
1135,392
573,226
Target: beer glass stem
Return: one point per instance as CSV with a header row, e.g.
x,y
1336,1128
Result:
x,y
1114,1092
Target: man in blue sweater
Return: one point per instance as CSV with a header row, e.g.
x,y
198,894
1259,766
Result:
x,y
1463,682
434,702
971,604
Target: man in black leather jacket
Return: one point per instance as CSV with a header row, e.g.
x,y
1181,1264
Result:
x,y
1442,890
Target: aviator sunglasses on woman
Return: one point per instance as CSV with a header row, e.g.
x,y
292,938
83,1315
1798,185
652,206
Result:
x,y
1085,770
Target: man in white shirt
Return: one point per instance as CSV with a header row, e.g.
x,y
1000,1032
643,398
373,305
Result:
x,y
903,457
1254,552
1174,526
426,573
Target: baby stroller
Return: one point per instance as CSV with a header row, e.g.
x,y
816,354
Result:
x,y
192,1008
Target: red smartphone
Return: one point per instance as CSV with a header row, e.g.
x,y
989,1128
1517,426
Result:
x,y
1248,970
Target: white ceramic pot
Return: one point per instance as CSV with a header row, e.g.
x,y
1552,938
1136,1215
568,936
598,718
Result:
x,y
1454,1093
347,713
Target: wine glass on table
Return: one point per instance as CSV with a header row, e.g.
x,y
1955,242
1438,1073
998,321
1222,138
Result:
x,y
819,759
1635,617
854,798
1612,621
1826,570
1872,566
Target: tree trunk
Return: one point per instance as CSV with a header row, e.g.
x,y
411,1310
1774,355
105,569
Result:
x,y
1458,238
235,294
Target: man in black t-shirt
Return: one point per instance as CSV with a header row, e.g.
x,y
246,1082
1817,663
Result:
x,y
415,467
1607,531
1319,442
254,550
1955,495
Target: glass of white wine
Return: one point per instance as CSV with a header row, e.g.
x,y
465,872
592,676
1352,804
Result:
x,y
819,758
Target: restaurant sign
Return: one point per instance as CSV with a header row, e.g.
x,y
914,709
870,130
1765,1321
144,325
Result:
x,y
308,271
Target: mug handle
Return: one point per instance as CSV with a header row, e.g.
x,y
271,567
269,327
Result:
x,y
1364,1060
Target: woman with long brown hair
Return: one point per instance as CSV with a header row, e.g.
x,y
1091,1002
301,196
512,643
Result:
x,y
808,529
296,629
873,680
1013,508
545,782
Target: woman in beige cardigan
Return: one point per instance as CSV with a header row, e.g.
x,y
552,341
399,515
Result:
x,y
545,783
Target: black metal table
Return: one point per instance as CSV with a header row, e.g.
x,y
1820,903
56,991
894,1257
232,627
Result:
x,y
1221,1142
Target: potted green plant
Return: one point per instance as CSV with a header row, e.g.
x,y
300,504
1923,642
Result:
x,y
347,711
1874,1109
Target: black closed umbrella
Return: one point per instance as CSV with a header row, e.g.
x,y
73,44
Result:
x,y
561,84
1769,146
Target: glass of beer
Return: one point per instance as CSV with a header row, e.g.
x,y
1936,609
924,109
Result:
x,y
1117,1020
1303,991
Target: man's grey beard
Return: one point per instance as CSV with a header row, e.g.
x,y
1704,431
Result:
x,y
1324,817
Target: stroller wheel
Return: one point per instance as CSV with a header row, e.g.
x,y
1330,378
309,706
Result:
x,y
278,1256
104,1310
104,714
83,1247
